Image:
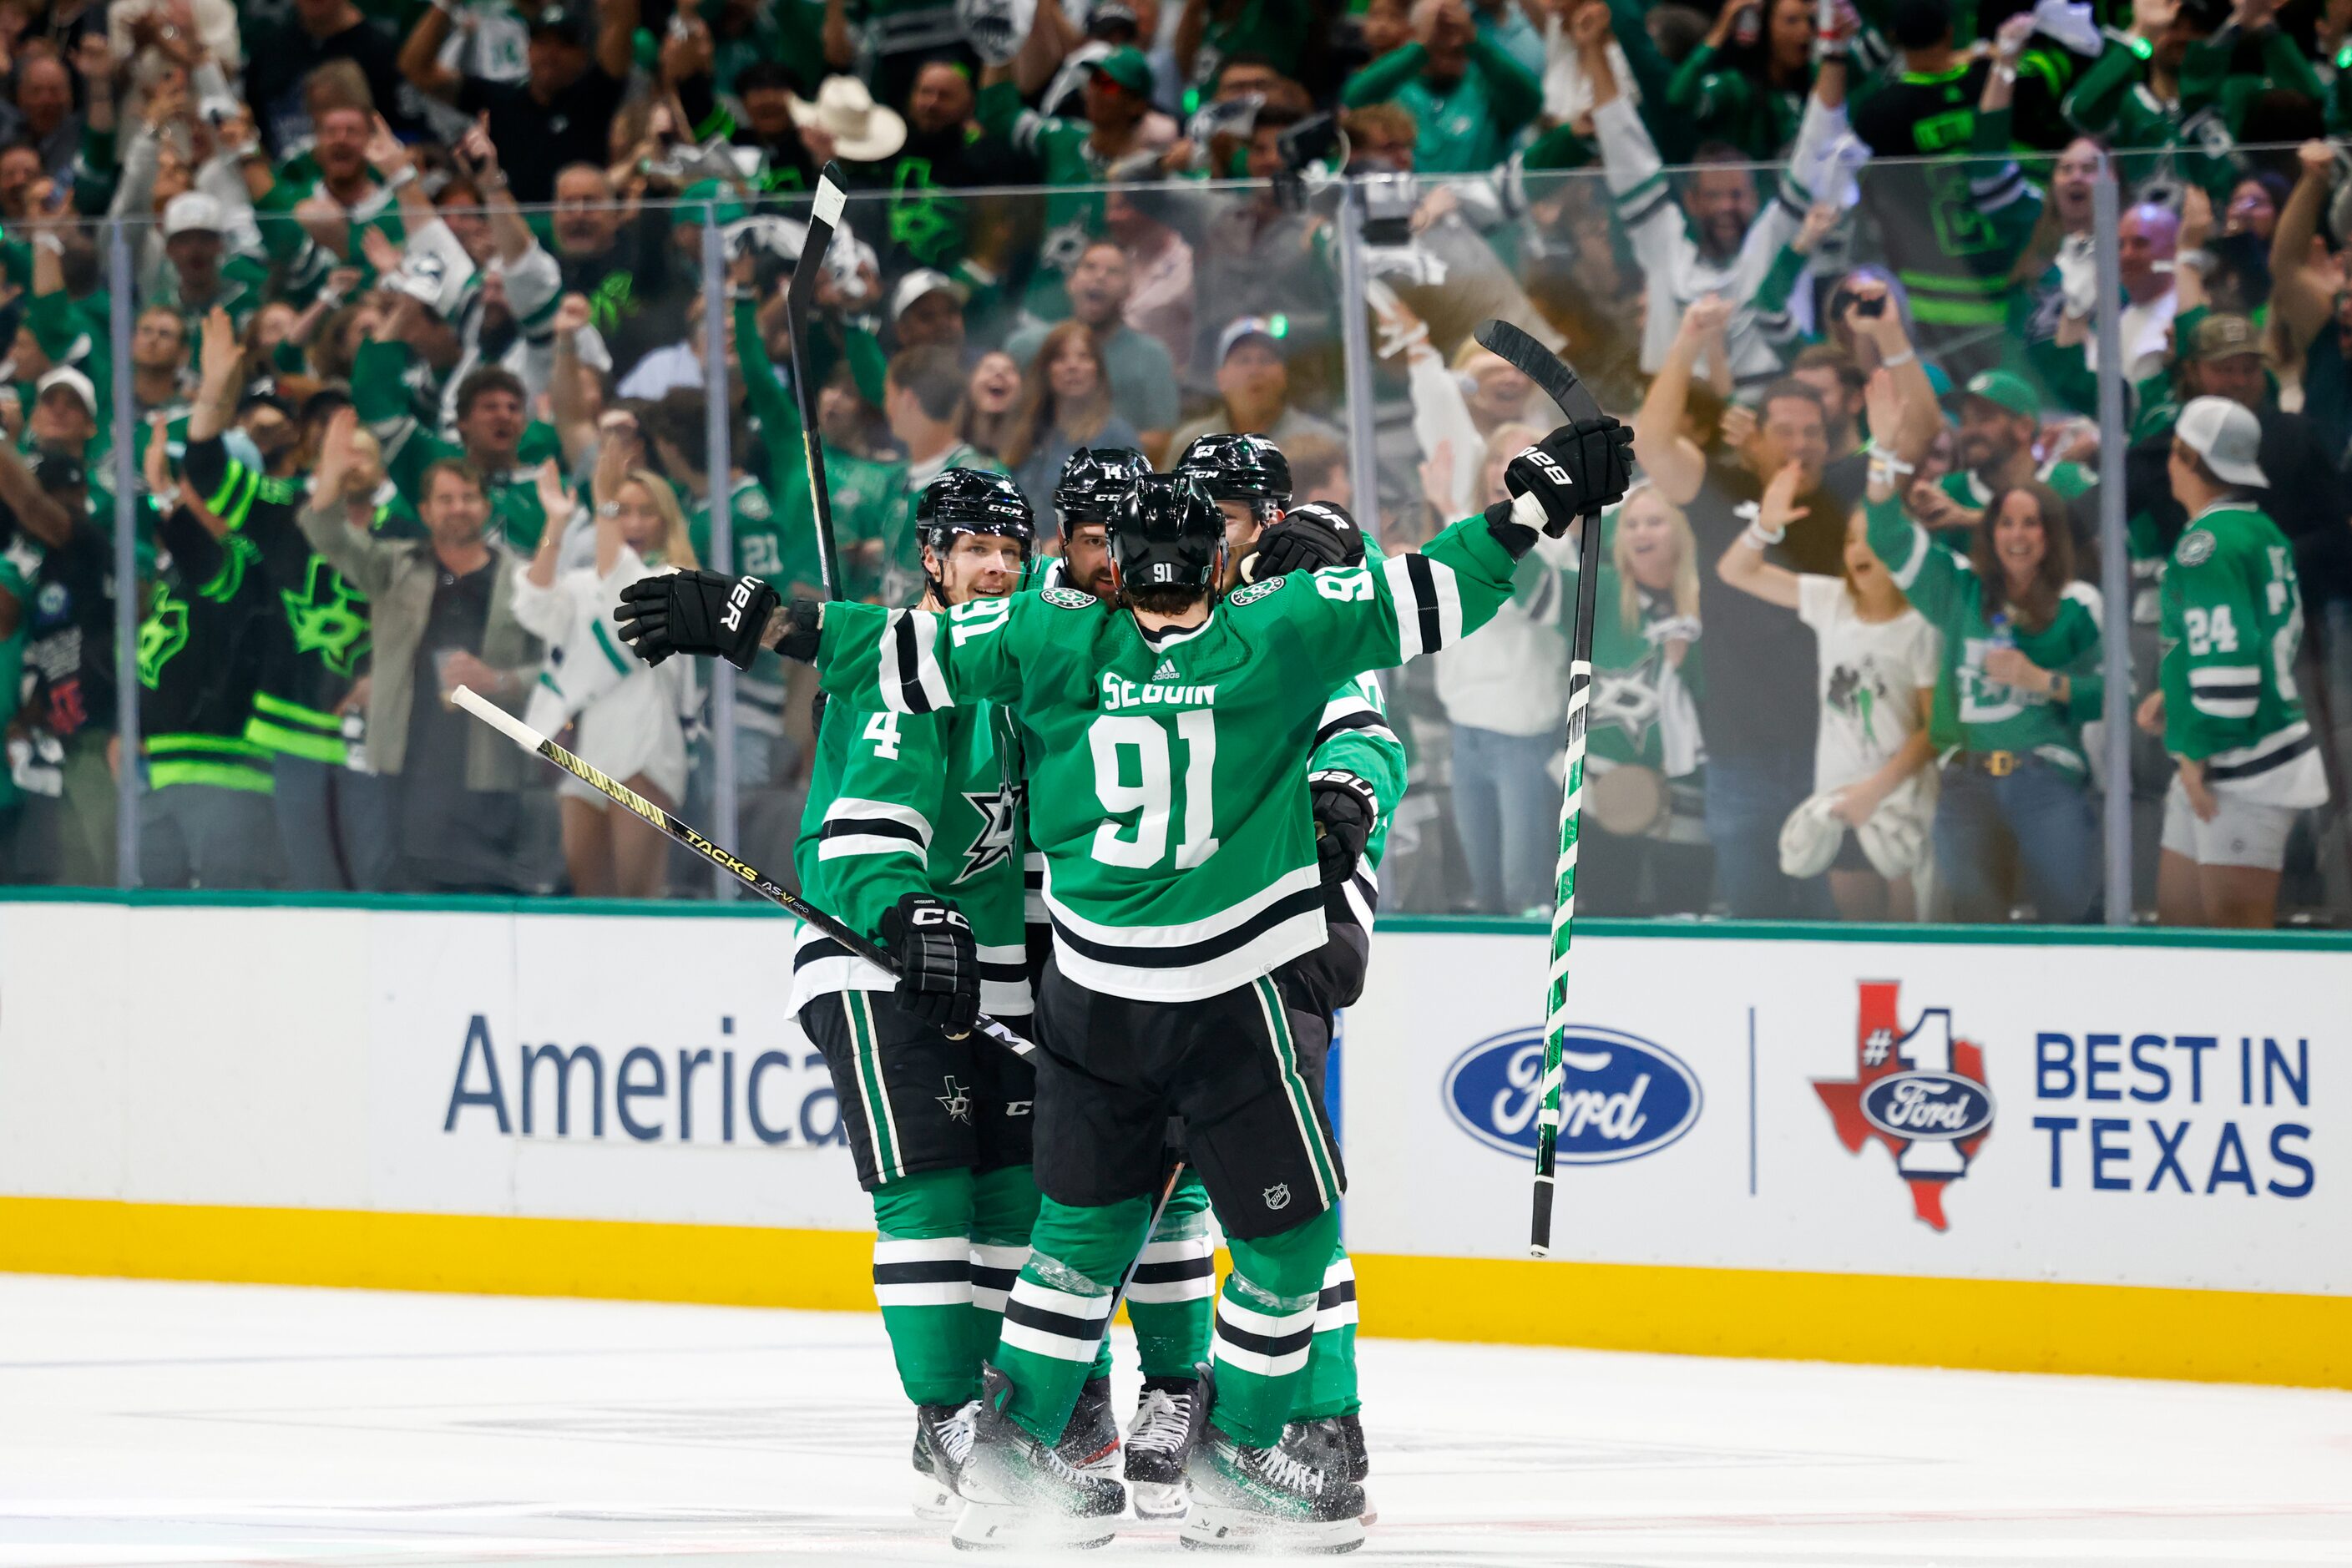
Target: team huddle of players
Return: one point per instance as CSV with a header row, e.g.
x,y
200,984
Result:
x,y
1132,801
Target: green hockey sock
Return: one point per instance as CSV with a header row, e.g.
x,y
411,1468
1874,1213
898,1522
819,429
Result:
x,y
1330,1387
1004,1213
922,1282
1266,1322
1175,1281
1059,1307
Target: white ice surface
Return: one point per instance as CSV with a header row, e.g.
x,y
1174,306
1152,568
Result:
x,y
147,1423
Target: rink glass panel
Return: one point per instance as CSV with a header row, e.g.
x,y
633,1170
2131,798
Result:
x,y
1551,250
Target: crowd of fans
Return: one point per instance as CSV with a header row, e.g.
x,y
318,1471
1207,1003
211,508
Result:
x,y
420,347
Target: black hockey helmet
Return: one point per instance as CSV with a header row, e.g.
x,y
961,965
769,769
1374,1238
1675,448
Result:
x,y
1168,533
972,500
1240,468
1093,480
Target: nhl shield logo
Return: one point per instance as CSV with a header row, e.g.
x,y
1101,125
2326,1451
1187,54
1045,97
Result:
x,y
1278,1196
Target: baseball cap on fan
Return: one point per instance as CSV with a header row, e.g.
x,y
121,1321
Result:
x,y
73,380
1125,66
192,211
2225,336
921,282
1271,329
2227,436
559,21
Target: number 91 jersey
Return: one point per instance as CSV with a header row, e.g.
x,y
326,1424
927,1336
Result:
x,y
1166,779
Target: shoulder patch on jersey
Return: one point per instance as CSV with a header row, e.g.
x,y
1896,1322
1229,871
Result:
x,y
1253,593
752,503
2196,547
1068,598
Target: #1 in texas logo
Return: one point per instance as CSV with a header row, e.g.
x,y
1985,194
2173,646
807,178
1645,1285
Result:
x,y
1920,1091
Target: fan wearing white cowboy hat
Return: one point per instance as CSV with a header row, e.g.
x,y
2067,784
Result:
x,y
846,122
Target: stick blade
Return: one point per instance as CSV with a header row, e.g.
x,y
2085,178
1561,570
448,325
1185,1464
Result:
x,y
1538,364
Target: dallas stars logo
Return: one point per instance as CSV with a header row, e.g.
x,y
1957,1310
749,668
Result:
x,y
992,845
162,634
956,1101
1628,698
328,617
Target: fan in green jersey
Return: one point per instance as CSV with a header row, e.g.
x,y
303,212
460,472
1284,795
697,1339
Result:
x,y
2018,679
922,808
1167,742
2226,702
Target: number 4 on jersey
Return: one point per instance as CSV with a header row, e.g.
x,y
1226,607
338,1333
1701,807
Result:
x,y
1121,740
882,729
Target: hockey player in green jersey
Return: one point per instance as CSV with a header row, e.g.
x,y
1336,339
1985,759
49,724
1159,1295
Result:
x,y
1169,742
910,834
1356,775
2226,704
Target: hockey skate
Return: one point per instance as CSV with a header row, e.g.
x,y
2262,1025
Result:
x,y
942,1443
1159,1442
1090,1442
1247,1500
1021,1494
1334,1444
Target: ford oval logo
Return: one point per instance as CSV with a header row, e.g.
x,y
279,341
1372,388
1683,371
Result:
x,y
1930,1107
1621,1097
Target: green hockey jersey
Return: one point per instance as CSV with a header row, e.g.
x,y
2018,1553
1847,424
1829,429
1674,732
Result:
x,y
2231,627
903,802
1353,737
1972,711
1166,776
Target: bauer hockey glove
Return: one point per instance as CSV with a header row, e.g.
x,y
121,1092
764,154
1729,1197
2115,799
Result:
x,y
1307,539
1346,811
938,967
706,612
1576,470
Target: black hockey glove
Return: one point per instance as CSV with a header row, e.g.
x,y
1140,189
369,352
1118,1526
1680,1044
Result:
x,y
1346,811
938,967
1307,539
1574,471
705,612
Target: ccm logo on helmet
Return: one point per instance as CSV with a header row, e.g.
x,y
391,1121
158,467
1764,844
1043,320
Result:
x,y
737,603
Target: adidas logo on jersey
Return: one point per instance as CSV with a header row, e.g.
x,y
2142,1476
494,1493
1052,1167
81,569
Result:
x,y
1166,670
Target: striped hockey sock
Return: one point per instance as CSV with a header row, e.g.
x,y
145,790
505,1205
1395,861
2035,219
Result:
x,y
1004,1213
1330,1387
1175,1281
922,1282
1266,1322
1055,1314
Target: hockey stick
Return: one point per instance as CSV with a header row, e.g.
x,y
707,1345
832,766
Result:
x,y
530,739
1543,367
1159,1213
799,295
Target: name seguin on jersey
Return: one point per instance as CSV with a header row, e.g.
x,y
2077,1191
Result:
x,y
1117,693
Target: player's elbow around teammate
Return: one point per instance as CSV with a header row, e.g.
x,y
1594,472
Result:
x,y
1576,470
